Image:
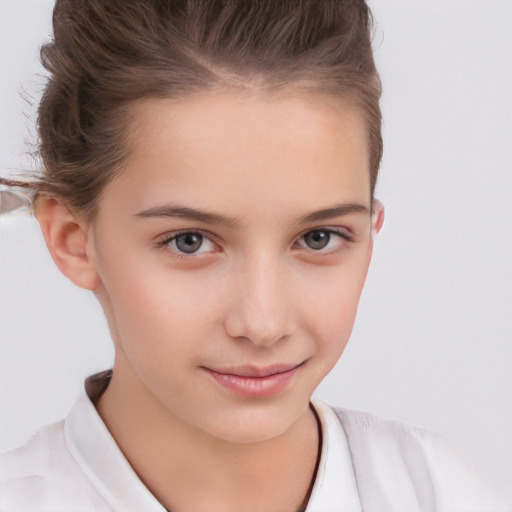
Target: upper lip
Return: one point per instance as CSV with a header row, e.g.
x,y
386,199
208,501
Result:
x,y
256,371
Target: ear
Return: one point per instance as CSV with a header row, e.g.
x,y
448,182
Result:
x,y
67,238
377,216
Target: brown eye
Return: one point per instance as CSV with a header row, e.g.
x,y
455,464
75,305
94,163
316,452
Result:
x,y
317,239
189,243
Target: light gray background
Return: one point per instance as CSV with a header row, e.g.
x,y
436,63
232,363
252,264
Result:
x,y
433,342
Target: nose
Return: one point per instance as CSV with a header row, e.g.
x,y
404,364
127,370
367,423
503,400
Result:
x,y
260,308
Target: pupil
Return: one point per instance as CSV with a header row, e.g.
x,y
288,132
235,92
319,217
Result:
x,y
189,242
317,239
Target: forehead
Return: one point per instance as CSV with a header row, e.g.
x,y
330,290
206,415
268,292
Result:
x,y
223,149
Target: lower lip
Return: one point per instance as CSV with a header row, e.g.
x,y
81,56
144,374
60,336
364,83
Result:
x,y
254,386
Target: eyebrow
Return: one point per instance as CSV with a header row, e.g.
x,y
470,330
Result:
x,y
333,212
185,212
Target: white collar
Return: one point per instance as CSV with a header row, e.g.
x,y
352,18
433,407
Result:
x,y
99,457
101,460
335,483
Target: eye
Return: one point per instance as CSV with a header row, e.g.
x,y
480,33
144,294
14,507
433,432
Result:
x,y
323,240
189,243
317,239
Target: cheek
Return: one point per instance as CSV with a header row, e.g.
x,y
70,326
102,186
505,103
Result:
x,y
157,307
331,310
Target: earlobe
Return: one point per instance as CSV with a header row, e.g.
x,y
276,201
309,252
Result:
x,y
377,216
66,236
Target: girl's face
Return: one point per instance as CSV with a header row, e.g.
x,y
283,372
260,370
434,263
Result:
x,y
232,252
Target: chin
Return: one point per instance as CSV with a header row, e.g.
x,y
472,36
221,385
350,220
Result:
x,y
250,424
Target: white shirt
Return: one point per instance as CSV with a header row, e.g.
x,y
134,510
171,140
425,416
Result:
x,y
366,463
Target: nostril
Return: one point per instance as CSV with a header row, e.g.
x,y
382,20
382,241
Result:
x,y
263,328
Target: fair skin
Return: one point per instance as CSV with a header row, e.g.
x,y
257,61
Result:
x,y
229,257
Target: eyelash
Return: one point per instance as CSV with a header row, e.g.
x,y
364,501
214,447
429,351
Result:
x,y
165,242
345,239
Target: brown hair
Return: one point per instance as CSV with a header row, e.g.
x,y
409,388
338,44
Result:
x,y
107,54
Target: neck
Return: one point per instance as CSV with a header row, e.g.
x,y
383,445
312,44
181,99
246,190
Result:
x,y
188,470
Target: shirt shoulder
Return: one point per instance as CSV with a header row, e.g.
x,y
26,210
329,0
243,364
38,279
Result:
x,y
42,475
393,455
35,456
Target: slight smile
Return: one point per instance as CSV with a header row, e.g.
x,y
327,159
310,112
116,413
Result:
x,y
253,381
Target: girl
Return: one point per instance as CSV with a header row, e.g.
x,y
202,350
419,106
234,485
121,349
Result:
x,y
209,173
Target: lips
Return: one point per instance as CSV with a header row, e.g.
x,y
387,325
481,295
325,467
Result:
x,y
255,381
254,371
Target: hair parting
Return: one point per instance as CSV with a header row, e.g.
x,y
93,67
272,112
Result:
x,y
108,55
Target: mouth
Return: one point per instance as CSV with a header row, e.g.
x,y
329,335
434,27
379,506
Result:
x,y
255,381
